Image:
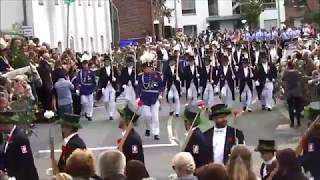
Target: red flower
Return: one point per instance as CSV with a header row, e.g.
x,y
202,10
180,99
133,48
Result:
x,y
140,102
119,141
201,105
236,113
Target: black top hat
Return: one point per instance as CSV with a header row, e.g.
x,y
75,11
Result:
x,y
263,54
129,58
70,120
190,114
266,146
173,58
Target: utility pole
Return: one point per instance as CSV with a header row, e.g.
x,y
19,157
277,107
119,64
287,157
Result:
x,y
175,15
68,14
278,9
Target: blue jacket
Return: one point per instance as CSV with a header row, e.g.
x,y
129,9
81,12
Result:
x,y
150,85
86,80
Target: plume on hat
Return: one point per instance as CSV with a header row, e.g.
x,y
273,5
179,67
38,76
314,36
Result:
x,y
85,57
147,57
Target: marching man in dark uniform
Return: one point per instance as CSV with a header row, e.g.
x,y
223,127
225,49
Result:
x,y
266,74
267,149
108,85
191,80
172,80
226,76
222,137
245,76
128,79
149,89
132,145
17,153
71,140
86,85
208,80
196,143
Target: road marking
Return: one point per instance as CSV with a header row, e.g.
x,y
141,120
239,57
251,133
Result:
x,y
170,132
112,148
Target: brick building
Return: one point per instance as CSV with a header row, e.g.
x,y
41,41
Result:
x,y
138,19
295,11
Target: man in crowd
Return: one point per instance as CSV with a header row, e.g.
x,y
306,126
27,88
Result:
x,y
128,79
17,153
132,145
267,149
86,84
245,77
107,83
222,137
112,165
191,80
63,88
71,140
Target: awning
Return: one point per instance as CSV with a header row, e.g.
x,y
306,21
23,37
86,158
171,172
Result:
x,y
224,18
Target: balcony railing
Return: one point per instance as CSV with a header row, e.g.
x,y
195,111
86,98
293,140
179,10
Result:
x,y
271,5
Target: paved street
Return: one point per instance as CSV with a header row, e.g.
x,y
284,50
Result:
x,y
101,134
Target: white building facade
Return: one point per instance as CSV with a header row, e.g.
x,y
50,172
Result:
x,y
194,16
89,22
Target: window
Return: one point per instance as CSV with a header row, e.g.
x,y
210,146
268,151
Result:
x,y
40,2
79,2
102,43
188,6
89,2
82,44
235,6
60,47
213,7
92,45
190,30
269,4
56,2
99,3
71,42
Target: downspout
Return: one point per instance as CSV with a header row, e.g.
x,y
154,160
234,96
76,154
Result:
x,y
24,7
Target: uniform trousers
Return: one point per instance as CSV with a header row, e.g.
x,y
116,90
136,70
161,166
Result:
x,y
150,114
192,94
226,95
109,99
208,95
129,93
87,104
174,99
246,96
266,95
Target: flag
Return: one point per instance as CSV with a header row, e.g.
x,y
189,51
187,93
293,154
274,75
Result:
x,y
69,1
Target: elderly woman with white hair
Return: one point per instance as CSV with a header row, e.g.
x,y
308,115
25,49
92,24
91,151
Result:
x,y
112,165
184,166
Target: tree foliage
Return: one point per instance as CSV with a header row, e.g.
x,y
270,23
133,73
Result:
x,y
250,11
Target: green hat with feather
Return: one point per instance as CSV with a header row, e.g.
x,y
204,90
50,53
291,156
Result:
x,y
190,113
129,112
219,109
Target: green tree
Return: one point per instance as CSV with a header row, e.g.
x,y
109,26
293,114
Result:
x,y
250,11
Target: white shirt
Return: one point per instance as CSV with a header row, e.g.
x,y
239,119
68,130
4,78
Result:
x,y
238,55
265,67
130,70
165,54
257,56
208,69
245,71
264,171
225,70
172,68
192,69
67,139
10,135
218,142
108,70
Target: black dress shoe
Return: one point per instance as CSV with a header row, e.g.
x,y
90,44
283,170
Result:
x,y
89,118
244,109
177,115
299,124
110,118
269,109
263,107
171,113
156,137
147,133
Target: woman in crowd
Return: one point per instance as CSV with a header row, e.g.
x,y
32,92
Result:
x,y
239,166
135,170
184,166
288,167
212,171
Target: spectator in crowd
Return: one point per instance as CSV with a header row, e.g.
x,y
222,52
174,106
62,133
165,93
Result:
x,y
135,170
81,165
267,149
288,167
112,165
63,88
292,83
239,166
184,166
212,171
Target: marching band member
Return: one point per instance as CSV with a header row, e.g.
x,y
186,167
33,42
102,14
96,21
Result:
x,y
172,80
86,85
237,55
208,81
266,73
273,52
222,137
128,79
245,76
191,80
255,55
107,83
226,76
149,90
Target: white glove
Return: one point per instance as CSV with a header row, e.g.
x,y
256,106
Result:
x,y
273,80
49,172
183,90
237,67
178,79
77,92
257,83
200,89
216,89
124,86
310,81
114,79
160,97
136,82
233,77
198,75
